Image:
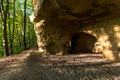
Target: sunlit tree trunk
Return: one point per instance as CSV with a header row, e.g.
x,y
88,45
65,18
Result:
x,y
4,13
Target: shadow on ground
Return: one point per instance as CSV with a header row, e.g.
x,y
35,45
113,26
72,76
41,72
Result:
x,y
68,67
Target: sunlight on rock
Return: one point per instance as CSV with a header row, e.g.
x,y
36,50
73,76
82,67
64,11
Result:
x,y
116,28
41,50
117,35
59,53
107,45
98,48
40,33
39,24
32,17
104,39
108,54
90,32
119,54
118,44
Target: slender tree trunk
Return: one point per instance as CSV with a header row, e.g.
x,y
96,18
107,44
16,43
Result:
x,y
4,13
28,39
13,29
24,26
9,31
19,40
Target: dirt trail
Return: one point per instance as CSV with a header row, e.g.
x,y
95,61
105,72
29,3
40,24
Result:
x,y
31,65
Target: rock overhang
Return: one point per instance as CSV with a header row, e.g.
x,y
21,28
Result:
x,y
64,18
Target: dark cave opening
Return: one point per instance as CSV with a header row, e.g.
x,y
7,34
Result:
x,y
82,43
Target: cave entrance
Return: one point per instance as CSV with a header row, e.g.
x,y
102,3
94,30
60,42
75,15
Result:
x,y
82,43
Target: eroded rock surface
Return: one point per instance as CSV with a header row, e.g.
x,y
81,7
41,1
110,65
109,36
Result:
x,y
56,21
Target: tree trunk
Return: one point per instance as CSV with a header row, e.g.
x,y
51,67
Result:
x,y
24,26
13,28
4,14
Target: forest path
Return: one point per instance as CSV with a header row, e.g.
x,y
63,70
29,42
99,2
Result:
x,y
31,65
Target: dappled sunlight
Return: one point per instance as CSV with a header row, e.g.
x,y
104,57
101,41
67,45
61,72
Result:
x,y
90,32
108,54
39,33
39,24
41,49
103,37
116,29
118,44
73,67
52,67
108,45
32,17
117,35
119,54
108,40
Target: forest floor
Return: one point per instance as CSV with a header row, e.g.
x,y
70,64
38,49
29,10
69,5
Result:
x,y
31,65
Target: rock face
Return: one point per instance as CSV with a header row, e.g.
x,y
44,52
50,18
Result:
x,y
56,21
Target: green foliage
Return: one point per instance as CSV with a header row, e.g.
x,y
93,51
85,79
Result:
x,y
17,31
